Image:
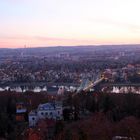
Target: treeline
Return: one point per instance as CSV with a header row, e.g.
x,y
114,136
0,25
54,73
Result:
x,y
112,115
7,117
115,106
98,127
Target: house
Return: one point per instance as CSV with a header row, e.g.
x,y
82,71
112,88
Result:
x,y
48,110
20,112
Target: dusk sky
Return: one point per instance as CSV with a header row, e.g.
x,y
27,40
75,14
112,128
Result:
x,y
68,22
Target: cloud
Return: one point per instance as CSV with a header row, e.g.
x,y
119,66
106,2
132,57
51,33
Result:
x,y
39,38
21,40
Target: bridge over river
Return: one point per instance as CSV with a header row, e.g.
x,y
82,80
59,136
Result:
x,y
100,86
86,85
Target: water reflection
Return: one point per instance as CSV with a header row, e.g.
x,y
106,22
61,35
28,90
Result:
x,y
37,89
125,89
24,89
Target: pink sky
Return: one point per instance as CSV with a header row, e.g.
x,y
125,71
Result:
x,y
68,22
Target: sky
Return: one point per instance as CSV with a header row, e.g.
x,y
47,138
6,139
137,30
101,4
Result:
x,y
37,23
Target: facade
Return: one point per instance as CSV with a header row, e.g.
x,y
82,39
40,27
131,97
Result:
x,y
47,110
20,112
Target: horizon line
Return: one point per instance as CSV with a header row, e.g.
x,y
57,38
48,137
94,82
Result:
x,y
94,45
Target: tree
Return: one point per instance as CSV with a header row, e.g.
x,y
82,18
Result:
x,y
106,103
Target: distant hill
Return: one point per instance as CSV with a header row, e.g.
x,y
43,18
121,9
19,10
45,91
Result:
x,y
70,49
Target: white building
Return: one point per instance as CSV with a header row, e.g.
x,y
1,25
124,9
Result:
x,y
47,110
61,90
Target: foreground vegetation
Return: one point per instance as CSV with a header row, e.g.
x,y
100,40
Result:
x,y
112,115
87,116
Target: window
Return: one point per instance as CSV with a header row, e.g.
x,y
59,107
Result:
x,y
42,113
58,112
50,113
46,113
33,118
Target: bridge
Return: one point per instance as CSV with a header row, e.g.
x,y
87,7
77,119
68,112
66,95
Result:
x,y
86,85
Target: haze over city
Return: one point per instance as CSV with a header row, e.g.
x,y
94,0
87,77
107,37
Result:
x,y
69,70
75,22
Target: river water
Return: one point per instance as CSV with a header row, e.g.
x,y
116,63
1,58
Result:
x,y
125,89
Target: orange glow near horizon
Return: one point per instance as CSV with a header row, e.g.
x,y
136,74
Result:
x,y
34,42
20,41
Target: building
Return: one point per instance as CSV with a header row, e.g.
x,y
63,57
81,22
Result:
x,y
61,90
47,110
20,112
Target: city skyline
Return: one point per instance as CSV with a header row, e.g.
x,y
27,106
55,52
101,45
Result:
x,y
76,22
